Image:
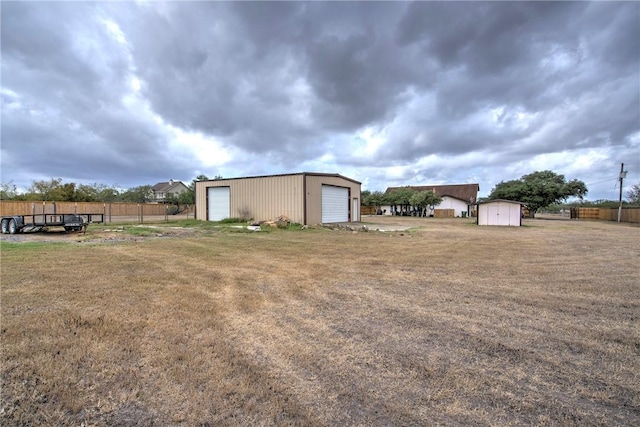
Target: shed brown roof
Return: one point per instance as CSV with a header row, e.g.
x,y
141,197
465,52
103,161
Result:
x,y
465,192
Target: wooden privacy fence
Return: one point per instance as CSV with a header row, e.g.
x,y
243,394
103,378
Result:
x,y
367,210
444,213
630,214
109,210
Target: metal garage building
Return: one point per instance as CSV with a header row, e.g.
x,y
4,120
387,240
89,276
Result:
x,y
305,198
500,212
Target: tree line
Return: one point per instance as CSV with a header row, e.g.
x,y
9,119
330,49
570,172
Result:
x,y
549,190
537,190
57,190
402,200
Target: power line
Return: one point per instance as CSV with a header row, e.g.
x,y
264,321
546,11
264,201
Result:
x,y
606,180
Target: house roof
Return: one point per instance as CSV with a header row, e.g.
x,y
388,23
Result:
x,y
515,202
336,175
164,187
465,192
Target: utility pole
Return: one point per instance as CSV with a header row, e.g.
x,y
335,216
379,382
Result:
x,y
623,175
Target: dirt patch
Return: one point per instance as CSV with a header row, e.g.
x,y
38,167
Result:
x,y
113,234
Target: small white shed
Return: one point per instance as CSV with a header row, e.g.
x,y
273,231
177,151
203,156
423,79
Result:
x,y
500,212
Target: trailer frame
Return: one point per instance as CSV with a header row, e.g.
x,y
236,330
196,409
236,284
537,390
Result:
x,y
13,224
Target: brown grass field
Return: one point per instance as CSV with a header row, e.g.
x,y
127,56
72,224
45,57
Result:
x,y
447,323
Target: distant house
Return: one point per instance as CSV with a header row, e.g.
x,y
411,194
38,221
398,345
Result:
x,y
164,190
457,197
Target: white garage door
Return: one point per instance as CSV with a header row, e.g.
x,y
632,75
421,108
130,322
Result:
x,y
218,203
335,204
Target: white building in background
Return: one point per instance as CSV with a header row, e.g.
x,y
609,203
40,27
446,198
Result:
x,y
459,197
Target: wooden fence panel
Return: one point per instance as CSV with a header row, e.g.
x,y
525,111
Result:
x,y
588,213
444,213
367,210
628,214
605,214
13,207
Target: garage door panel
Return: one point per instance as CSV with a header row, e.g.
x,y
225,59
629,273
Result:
x,y
335,204
219,203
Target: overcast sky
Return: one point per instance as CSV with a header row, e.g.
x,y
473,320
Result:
x,y
389,94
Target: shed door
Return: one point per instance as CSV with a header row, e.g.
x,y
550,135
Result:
x,y
335,204
504,214
218,203
499,214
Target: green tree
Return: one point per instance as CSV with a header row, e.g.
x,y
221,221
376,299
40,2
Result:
x,y
188,197
539,189
375,199
180,202
53,190
365,198
96,193
107,194
400,197
141,194
67,192
378,198
633,195
86,193
423,199
8,191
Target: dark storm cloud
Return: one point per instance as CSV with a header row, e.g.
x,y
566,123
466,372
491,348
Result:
x,y
70,77
285,85
43,57
246,85
536,58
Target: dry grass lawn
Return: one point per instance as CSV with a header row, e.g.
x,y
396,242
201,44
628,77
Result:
x,y
445,324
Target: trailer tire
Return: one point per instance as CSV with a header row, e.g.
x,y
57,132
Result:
x,y
5,226
13,229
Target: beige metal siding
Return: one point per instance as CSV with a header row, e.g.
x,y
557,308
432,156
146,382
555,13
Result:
x,y
267,197
260,198
314,195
